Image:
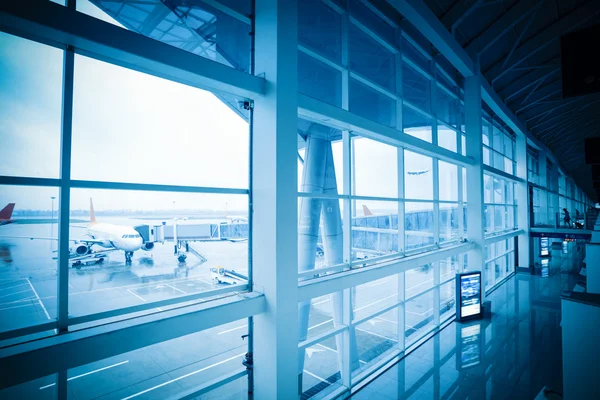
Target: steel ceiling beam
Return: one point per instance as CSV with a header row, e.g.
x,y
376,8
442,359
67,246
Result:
x,y
574,113
544,93
521,84
523,32
544,112
552,33
501,26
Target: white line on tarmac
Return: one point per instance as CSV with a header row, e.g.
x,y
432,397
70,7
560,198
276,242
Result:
x,y
88,373
335,351
314,376
231,330
13,286
182,377
386,320
11,294
322,323
24,305
136,295
420,314
173,287
39,300
375,302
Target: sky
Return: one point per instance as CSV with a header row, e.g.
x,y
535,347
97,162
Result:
x,y
133,127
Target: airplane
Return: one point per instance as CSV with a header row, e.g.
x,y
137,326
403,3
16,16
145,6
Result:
x,y
6,213
108,236
416,173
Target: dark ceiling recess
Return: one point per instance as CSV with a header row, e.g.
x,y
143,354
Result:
x,y
580,62
518,46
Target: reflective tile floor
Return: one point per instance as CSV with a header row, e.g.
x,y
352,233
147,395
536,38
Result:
x,y
513,355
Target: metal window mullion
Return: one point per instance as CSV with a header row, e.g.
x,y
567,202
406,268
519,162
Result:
x,y
62,305
436,293
347,176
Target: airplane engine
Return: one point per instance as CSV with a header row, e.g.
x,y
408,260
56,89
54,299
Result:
x,y
80,250
148,246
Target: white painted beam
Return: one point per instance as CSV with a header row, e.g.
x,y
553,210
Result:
x,y
43,357
50,22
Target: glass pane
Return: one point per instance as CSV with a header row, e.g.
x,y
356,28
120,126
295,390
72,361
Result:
x,y
315,181
319,81
320,317
415,88
374,230
28,265
448,268
418,178
418,224
126,253
320,233
200,28
447,138
486,156
132,112
371,159
321,372
447,300
448,181
376,337
419,317
370,59
418,280
167,369
30,107
360,11
446,107
499,188
374,296
371,104
448,222
320,29
416,124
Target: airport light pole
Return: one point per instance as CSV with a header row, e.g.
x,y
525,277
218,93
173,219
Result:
x,y
52,218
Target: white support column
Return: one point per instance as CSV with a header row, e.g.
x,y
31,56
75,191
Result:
x,y
475,216
275,208
521,197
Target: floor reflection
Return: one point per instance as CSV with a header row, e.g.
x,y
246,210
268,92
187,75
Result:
x,y
513,355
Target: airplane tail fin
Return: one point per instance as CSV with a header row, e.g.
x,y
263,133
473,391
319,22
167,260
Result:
x,y
92,215
366,211
7,211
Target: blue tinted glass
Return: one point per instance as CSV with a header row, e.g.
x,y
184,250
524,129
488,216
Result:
x,y
320,28
371,104
370,59
446,107
416,88
318,80
365,16
416,124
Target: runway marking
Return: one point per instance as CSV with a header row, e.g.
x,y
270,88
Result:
x,y
10,308
377,283
421,314
173,287
12,294
39,300
322,323
387,320
314,376
375,302
231,330
335,351
136,295
182,377
377,334
87,373
13,286
321,302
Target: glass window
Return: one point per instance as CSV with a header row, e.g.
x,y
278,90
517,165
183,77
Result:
x,y
319,81
374,230
446,107
371,104
416,124
418,280
374,296
448,181
370,59
28,267
374,338
321,372
418,177
375,169
419,317
447,300
200,28
415,88
31,78
418,225
361,12
448,222
108,274
153,130
320,29
447,138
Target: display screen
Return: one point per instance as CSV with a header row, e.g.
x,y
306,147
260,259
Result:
x,y
545,268
565,247
470,294
544,247
470,353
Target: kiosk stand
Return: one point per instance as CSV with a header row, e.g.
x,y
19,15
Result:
x,y
468,295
